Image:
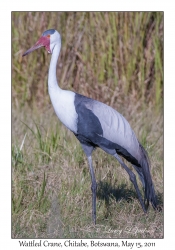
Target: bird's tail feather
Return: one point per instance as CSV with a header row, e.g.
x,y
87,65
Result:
x,y
150,195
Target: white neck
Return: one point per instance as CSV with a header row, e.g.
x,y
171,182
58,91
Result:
x,y
62,100
52,79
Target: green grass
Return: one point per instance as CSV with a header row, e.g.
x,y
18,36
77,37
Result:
x,y
51,196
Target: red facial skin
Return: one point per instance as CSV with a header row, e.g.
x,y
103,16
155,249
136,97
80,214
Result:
x,y
44,41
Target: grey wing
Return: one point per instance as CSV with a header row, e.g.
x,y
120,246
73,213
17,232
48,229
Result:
x,y
115,127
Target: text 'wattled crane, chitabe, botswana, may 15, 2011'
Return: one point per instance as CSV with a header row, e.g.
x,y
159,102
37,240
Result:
x,y
96,124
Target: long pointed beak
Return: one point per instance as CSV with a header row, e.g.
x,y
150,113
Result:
x,y
43,41
32,49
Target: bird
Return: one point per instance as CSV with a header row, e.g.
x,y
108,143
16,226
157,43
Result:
x,y
97,125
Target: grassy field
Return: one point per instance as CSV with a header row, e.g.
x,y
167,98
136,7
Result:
x,y
116,58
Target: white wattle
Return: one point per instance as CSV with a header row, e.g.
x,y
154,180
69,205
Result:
x,y
62,100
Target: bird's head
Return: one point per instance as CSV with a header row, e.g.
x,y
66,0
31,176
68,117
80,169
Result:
x,y
48,40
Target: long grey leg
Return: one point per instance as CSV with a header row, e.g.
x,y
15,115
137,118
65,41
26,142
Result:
x,y
88,151
93,188
133,180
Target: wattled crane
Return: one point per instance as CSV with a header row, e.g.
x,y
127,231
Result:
x,y
96,124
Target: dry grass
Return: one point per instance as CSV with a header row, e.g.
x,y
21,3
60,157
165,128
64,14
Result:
x,y
119,53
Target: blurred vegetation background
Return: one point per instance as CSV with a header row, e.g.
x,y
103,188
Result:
x,y
115,57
